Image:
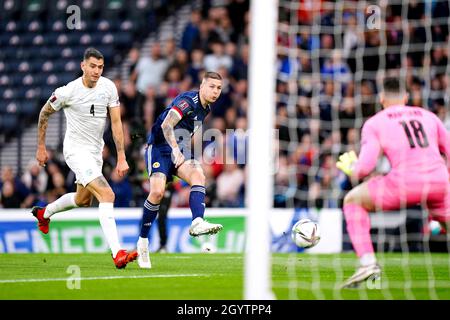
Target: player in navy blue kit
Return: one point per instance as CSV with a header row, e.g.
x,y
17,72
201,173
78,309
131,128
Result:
x,y
168,153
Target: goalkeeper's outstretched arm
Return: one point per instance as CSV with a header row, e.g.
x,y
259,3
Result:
x,y
360,167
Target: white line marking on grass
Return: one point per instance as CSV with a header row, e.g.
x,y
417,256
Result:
x,y
105,278
416,284
208,254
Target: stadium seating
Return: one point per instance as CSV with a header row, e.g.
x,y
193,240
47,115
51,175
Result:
x,y
39,53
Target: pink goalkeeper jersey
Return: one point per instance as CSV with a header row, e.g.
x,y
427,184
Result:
x,y
412,139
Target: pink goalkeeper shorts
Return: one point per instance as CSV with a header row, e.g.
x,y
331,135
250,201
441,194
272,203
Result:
x,y
390,192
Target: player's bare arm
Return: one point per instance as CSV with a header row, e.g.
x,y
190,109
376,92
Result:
x,y
167,127
117,131
41,152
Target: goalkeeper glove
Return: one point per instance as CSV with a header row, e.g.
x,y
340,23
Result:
x,y
346,162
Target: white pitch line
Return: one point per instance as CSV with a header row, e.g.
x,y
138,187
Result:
x,y
104,278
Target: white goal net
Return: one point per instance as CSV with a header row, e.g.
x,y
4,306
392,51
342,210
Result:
x,y
331,58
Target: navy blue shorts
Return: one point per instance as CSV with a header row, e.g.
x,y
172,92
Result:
x,y
159,159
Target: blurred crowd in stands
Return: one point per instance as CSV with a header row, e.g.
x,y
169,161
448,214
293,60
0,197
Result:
x,y
216,38
331,63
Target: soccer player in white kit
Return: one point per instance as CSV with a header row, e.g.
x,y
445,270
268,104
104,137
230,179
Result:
x,y
86,102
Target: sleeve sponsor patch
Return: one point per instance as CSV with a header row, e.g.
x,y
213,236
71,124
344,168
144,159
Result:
x,y
183,105
53,98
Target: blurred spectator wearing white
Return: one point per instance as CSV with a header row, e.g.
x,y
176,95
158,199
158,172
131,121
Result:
x,y
150,70
229,186
218,58
149,74
35,178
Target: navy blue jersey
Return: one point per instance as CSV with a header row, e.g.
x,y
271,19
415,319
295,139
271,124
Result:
x,y
188,105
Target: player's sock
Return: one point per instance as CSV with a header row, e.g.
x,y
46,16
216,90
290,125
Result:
x,y
149,216
358,227
65,202
367,259
197,201
108,223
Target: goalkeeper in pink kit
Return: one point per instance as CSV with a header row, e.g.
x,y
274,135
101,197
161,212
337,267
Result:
x,y
418,147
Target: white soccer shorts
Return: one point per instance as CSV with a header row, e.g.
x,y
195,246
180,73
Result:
x,y
86,165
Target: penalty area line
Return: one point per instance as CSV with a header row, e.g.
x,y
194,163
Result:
x,y
103,278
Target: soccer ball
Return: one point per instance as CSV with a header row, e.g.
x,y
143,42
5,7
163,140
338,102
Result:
x,y
305,233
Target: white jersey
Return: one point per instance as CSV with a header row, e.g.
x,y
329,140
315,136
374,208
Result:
x,y
86,111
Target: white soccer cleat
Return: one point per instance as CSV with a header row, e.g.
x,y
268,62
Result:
x,y
200,227
362,274
143,255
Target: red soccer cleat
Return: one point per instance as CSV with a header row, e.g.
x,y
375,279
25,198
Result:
x,y
43,223
123,258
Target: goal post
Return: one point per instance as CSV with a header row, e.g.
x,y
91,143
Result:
x,y
259,188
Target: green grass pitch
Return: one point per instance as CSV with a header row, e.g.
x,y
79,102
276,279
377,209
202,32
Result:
x,y
218,277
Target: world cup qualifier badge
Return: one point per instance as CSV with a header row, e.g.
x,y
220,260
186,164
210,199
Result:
x,y
156,165
183,105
